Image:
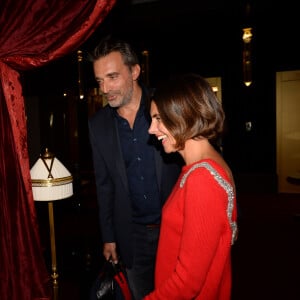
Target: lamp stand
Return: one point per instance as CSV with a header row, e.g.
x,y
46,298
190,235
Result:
x,y
51,181
54,274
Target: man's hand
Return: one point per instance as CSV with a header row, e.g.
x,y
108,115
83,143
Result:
x,y
110,252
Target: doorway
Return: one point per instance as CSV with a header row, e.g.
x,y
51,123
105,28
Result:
x,y
288,131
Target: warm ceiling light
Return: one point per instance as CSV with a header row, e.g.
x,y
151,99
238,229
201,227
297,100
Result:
x,y
247,63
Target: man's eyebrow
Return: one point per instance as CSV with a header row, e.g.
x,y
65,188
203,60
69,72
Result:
x,y
107,75
112,74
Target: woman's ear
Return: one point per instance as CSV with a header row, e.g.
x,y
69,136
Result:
x,y
135,71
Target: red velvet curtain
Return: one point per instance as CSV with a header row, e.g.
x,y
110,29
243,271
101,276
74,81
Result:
x,y
32,33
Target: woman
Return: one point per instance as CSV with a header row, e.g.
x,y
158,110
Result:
x,y
199,218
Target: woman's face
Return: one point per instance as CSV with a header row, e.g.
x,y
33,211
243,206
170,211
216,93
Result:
x,y
158,128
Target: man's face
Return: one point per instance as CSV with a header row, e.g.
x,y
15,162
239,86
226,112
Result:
x,y
115,79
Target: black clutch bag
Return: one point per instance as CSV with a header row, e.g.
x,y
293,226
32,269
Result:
x,y
111,276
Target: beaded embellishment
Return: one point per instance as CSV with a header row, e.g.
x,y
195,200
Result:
x,y
225,185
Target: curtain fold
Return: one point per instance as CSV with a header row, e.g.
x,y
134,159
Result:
x,y
32,34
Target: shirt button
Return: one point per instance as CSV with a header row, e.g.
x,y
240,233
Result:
x,y
134,140
138,158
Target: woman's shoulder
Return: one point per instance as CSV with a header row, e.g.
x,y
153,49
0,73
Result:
x,y
204,167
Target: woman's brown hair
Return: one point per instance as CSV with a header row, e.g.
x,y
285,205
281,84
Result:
x,y
189,108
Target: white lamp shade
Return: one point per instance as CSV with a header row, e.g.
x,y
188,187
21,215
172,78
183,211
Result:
x,y
50,179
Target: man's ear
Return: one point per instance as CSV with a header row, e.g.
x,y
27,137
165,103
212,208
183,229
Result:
x,y
135,71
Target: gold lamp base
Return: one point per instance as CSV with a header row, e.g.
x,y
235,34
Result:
x,y
54,274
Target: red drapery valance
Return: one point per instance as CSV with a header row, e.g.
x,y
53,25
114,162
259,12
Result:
x,y
32,33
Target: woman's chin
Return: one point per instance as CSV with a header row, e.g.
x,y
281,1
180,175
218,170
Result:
x,y
169,150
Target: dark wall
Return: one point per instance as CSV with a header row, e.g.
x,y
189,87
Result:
x,y
207,40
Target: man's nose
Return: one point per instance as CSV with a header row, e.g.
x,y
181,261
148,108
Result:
x,y
104,87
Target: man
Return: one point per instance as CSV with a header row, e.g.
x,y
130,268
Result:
x,y
133,178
